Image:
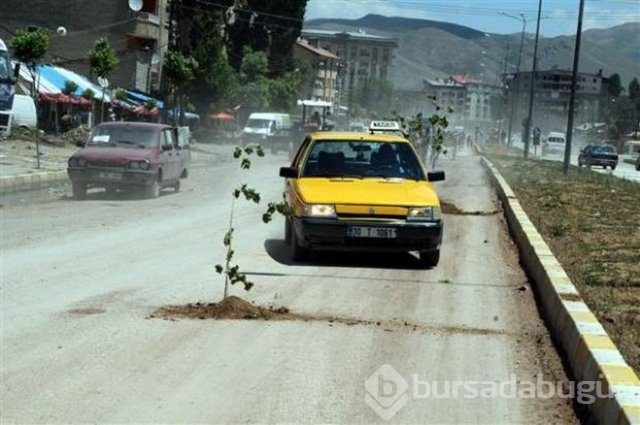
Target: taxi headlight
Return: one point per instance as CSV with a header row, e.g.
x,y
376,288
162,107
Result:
x,y
320,210
424,214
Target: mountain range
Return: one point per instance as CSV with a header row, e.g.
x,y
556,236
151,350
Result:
x,y
432,49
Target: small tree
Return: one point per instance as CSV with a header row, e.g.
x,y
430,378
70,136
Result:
x,y
102,60
29,47
178,69
70,87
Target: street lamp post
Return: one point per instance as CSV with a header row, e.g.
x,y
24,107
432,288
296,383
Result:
x,y
516,95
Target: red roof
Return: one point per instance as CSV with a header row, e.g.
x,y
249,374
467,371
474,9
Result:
x,y
304,43
464,79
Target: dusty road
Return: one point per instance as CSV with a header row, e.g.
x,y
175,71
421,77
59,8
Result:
x,y
79,280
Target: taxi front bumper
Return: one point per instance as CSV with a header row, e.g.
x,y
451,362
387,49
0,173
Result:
x,y
334,234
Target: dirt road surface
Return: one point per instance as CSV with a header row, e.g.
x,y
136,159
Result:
x,y
80,279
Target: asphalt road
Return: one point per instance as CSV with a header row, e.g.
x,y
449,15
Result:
x,y
80,279
623,170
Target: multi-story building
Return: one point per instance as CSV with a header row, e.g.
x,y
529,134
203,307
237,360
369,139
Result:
x,y
552,90
471,100
139,38
325,66
365,57
450,95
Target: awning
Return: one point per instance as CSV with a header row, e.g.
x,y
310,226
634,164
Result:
x,y
143,98
64,98
52,79
222,116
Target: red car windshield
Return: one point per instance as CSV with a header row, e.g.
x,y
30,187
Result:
x,y
124,135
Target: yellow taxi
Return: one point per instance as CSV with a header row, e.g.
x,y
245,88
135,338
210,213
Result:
x,y
361,192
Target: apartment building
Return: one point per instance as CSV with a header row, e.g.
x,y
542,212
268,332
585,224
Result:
x,y
364,57
552,89
139,37
323,84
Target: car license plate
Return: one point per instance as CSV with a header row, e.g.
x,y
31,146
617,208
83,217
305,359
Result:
x,y
371,232
103,175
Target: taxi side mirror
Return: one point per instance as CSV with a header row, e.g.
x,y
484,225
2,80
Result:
x,y
288,172
435,176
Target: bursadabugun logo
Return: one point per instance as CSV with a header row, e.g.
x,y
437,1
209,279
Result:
x,y
386,391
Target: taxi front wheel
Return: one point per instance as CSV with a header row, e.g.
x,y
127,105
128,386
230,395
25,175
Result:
x,y
430,259
298,252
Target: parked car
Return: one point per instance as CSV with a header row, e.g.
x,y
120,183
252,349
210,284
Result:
x,y
602,155
129,156
361,192
23,113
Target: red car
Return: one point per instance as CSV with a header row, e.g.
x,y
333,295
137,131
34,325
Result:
x,y
129,156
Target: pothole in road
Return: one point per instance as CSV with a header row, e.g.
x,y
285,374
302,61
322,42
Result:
x,y
452,209
235,308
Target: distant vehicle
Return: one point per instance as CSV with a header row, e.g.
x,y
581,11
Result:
x,y
554,142
8,80
357,127
602,155
361,192
129,156
270,129
23,113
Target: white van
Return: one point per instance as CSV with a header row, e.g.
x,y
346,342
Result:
x,y
269,129
23,112
554,142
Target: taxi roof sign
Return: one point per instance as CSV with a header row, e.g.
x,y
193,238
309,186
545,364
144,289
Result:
x,y
384,126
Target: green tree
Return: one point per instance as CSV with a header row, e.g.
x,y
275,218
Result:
x,y
179,70
70,87
269,26
614,88
29,47
102,60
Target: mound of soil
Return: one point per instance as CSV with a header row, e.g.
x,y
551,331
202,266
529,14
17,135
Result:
x,y
230,308
452,209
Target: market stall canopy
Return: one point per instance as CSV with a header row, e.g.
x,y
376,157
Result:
x,y
143,110
64,98
51,79
222,116
140,97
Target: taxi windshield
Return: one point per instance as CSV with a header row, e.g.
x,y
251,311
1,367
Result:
x,y
362,159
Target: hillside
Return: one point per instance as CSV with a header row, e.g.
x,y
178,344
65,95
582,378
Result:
x,y
431,49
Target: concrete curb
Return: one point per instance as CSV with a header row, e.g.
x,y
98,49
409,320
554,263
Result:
x,y
590,353
31,181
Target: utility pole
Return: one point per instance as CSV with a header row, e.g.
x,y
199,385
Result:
x,y
527,123
516,93
572,98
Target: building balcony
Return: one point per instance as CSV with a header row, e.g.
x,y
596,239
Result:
x,y
144,25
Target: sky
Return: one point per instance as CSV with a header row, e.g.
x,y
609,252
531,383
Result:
x,y
559,17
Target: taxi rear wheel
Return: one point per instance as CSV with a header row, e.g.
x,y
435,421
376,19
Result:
x,y
430,258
